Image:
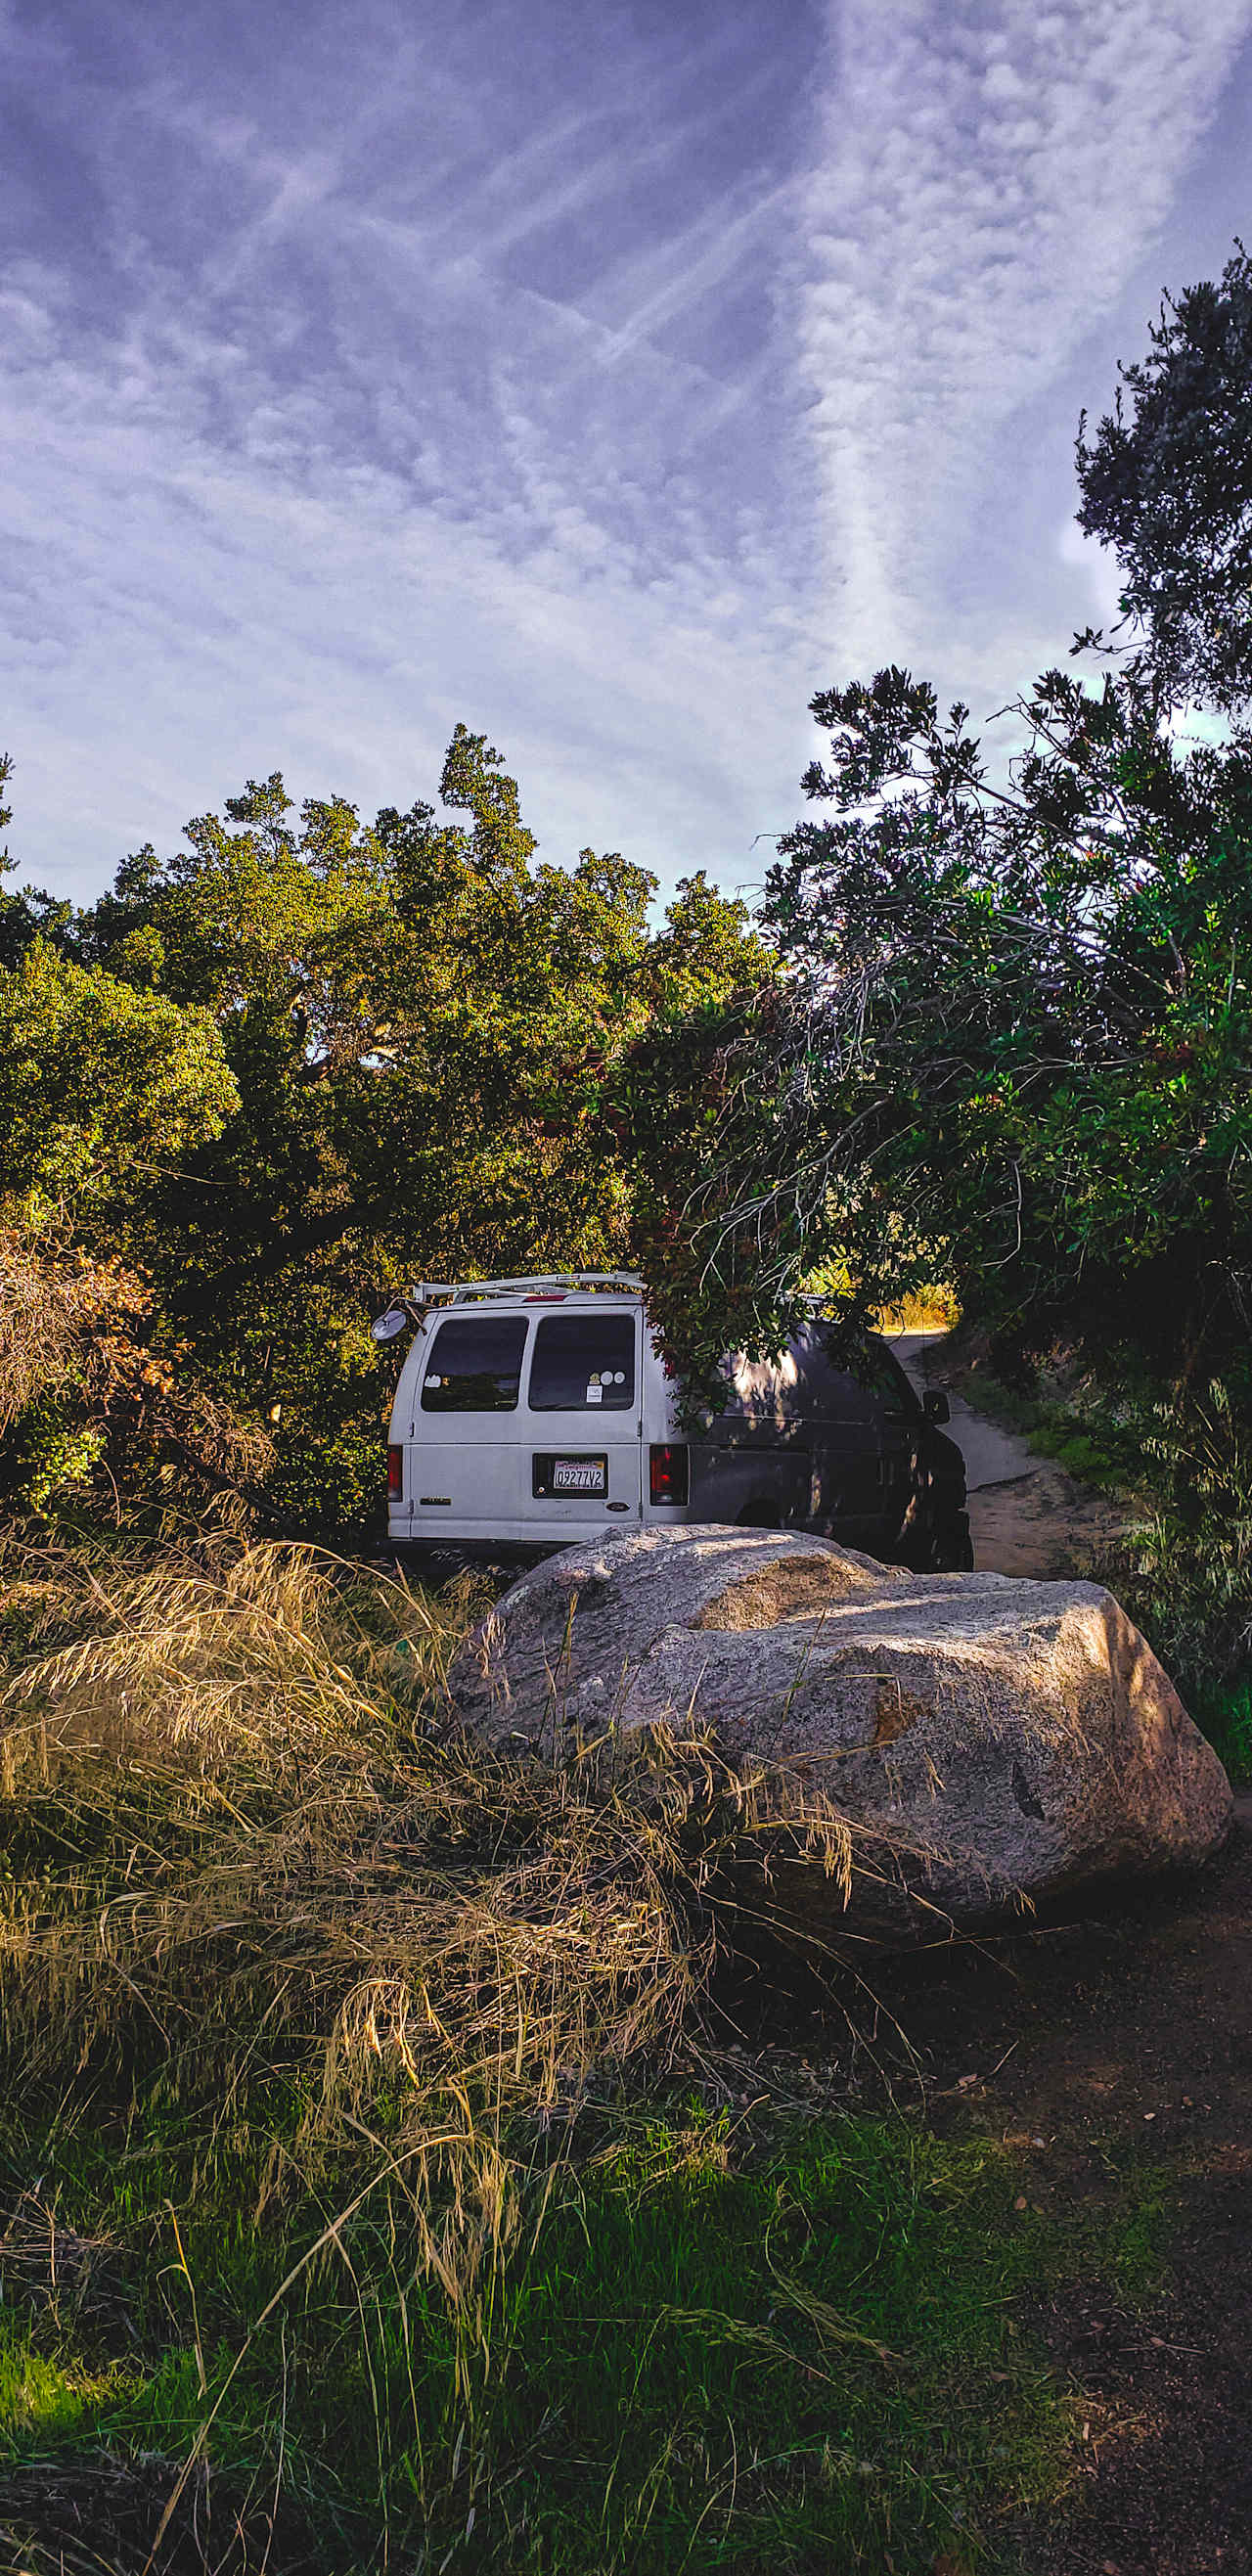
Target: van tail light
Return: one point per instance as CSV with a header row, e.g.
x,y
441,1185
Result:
x,y
395,1474
668,1472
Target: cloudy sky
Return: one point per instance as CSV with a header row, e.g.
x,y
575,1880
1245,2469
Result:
x,y
608,377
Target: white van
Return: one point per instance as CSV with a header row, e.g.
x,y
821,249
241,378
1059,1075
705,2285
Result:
x,y
531,1413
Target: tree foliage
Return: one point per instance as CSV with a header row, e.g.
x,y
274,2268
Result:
x,y
1170,490
29,915
304,1058
996,1016
100,1085
1013,1025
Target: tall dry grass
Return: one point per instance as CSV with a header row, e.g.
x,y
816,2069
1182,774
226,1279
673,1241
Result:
x,y
253,1861
248,1835
246,1831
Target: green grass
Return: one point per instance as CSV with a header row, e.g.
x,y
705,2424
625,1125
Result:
x,y
722,2349
1225,1716
1094,1450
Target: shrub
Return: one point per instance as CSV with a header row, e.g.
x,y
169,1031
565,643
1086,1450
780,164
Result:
x,y
1184,1567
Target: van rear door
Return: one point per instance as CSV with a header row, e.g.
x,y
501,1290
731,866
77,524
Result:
x,y
581,1457
463,1456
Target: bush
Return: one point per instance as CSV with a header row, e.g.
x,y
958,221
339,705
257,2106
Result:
x,y
97,1419
1184,1568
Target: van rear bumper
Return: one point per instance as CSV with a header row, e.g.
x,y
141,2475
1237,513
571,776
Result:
x,y
425,1561
535,1531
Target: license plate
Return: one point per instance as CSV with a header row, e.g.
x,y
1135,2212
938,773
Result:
x,y
571,1475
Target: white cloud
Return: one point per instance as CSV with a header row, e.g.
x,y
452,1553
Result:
x,y
388,417
1074,546
984,183
361,388
194,615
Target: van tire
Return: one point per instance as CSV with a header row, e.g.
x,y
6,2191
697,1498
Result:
x,y
759,1514
961,1561
943,1547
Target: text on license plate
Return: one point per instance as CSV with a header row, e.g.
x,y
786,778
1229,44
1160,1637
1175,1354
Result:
x,y
578,1476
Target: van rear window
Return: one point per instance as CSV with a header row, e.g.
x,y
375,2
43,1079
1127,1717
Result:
x,y
475,1365
583,1362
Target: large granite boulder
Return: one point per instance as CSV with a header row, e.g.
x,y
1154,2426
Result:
x,y
904,1751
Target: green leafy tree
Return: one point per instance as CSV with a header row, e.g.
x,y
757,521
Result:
x,y
1033,1011
1170,490
29,915
99,1084
424,1028
102,1087
1014,1015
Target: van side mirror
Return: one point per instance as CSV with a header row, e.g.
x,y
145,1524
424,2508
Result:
x,y
935,1405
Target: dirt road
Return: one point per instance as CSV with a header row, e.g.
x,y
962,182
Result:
x,y
1131,2024
1125,2034
1025,1515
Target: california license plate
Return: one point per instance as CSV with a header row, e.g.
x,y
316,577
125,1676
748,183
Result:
x,y
571,1475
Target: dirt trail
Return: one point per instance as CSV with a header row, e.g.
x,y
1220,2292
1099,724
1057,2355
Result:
x,y
1127,2031
1026,1516
1089,2045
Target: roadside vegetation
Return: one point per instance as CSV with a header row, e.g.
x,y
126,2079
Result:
x,y
1183,1474
385,2177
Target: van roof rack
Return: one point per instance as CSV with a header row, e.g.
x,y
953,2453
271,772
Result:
x,y
454,1292
412,1305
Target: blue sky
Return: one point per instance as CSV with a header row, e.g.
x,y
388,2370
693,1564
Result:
x,y
609,378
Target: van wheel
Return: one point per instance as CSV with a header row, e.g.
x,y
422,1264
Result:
x,y
943,1547
961,1557
762,1514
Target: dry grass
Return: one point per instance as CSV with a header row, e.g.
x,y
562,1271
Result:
x,y
304,1988
924,1310
250,1848
249,1837
254,1833
52,2265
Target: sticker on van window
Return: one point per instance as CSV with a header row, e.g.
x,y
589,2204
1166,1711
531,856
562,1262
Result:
x,y
581,1360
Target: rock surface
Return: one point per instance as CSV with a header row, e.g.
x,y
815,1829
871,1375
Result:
x,y
914,1750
